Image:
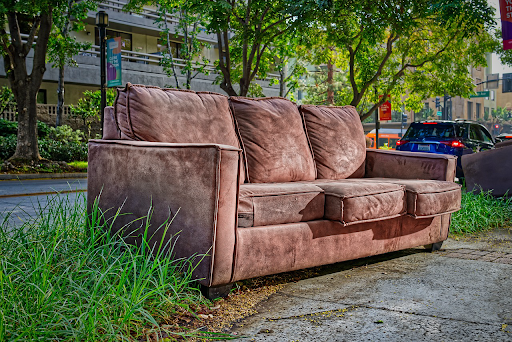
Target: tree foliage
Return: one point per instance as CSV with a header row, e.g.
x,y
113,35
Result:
x,y
190,23
246,30
62,46
419,49
88,108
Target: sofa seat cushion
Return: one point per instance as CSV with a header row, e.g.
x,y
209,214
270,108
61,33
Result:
x,y
274,141
428,198
351,201
276,203
337,139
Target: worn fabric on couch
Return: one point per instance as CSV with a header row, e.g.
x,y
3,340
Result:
x,y
337,138
274,141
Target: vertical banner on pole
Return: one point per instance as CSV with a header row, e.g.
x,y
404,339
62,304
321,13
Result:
x,y
506,23
114,62
385,109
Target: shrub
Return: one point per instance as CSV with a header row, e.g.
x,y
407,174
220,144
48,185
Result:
x,y
7,146
8,128
65,133
43,130
11,128
62,150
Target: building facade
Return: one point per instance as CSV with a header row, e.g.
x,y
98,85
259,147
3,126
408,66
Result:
x,y
141,54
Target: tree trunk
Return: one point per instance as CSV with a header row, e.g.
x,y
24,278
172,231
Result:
x,y
27,148
330,83
24,86
282,83
60,97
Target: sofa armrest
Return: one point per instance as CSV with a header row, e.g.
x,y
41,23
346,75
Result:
x,y
199,180
410,165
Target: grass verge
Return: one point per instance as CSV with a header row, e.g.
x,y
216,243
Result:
x,y
64,280
79,165
481,212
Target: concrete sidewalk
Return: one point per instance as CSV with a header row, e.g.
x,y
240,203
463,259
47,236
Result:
x,y
462,293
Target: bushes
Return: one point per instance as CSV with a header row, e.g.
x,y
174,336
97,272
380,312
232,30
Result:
x,y
59,144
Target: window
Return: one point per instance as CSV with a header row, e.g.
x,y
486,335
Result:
x,y
41,96
470,110
175,48
126,38
478,111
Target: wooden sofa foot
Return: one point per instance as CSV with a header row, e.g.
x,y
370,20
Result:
x,y
434,246
216,291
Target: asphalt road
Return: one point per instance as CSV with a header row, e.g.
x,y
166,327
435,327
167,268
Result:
x,y
21,200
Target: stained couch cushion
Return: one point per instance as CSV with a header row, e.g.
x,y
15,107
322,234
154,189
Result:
x,y
174,116
337,139
274,141
263,204
427,198
351,201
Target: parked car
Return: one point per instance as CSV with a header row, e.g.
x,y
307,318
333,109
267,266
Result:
x,y
503,137
457,138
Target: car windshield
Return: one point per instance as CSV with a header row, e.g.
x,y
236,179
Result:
x,y
434,130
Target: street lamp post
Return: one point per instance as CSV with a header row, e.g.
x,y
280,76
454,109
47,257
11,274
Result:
x,y
102,23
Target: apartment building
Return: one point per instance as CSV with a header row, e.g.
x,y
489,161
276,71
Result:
x,y
141,54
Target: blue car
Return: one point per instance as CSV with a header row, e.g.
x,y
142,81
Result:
x,y
457,138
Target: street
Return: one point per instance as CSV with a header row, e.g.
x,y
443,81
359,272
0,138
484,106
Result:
x,y
20,200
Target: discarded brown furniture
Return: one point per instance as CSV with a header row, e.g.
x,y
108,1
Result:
x,y
489,170
256,194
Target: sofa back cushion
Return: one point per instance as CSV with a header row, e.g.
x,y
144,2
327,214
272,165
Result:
x,y
174,116
275,144
337,138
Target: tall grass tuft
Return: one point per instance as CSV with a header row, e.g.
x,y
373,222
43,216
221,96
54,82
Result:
x,y
481,212
62,279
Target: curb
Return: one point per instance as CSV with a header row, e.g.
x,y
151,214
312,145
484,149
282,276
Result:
x,y
42,176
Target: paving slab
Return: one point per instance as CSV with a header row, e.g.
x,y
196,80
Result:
x,y
411,295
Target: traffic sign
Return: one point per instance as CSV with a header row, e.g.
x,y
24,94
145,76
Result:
x,y
439,113
485,93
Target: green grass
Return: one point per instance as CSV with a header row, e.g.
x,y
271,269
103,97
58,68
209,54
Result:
x,y
79,165
64,280
481,212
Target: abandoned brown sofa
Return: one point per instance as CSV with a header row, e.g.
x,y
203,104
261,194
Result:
x,y
255,193
489,170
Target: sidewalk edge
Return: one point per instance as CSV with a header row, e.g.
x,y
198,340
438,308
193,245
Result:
x,y
42,176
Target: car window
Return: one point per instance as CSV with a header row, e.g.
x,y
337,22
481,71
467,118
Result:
x,y
429,130
486,136
474,133
463,131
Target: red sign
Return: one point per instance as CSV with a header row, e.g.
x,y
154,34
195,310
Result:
x,y
385,109
506,23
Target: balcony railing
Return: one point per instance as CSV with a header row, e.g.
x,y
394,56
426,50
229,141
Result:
x,y
155,59
49,110
146,12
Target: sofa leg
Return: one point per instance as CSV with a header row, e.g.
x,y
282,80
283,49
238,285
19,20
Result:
x,y
434,246
216,291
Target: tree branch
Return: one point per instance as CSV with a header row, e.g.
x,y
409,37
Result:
x,y
30,40
14,31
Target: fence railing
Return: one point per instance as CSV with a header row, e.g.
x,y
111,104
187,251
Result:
x,y
10,112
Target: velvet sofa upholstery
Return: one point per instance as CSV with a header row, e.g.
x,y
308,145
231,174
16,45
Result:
x,y
262,204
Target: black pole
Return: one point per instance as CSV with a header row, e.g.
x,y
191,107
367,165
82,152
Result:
x,y
377,124
103,80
